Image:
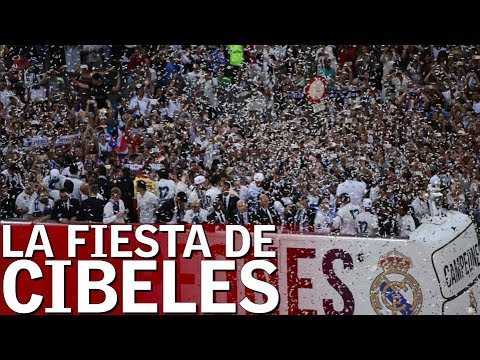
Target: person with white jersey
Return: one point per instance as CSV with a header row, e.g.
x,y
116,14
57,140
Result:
x,y
326,220
212,193
147,204
54,181
77,183
367,222
166,187
254,190
41,207
408,221
184,184
348,212
354,188
198,193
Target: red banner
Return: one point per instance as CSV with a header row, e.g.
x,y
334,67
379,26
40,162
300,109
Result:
x,y
133,269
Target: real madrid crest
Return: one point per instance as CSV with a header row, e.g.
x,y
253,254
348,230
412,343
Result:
x,y
394,291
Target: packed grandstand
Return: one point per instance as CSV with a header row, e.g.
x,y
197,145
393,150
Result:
x,y
226,134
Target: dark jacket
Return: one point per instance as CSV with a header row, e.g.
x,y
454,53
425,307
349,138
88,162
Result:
x,y
92,210
230,208
262,218
60,211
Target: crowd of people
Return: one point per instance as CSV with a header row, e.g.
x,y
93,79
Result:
x,y
226,134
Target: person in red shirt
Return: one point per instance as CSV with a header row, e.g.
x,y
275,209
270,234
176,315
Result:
x,y
22,62
134,140
137,59
346,54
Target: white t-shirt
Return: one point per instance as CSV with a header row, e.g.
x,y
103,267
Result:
x,y
348,214
143,104
406,226
36,208
147,205
355,189
367,223
110,216
201,215
324,222
420,207
210,196
24,200
166,189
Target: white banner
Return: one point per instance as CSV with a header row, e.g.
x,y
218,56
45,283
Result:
x,y
45,141
435,271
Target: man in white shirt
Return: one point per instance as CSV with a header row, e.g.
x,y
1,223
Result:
x,y
196,215
40,208
166,187
147,204
367,221
212,193
354,188
348,213
254,190
140,104
408,222
54,181
326,220
22,203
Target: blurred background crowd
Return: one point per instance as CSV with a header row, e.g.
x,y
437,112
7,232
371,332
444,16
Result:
x,y
226,134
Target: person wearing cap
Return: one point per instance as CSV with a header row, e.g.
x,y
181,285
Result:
x,y
54,181
147,204
198,192
366,222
